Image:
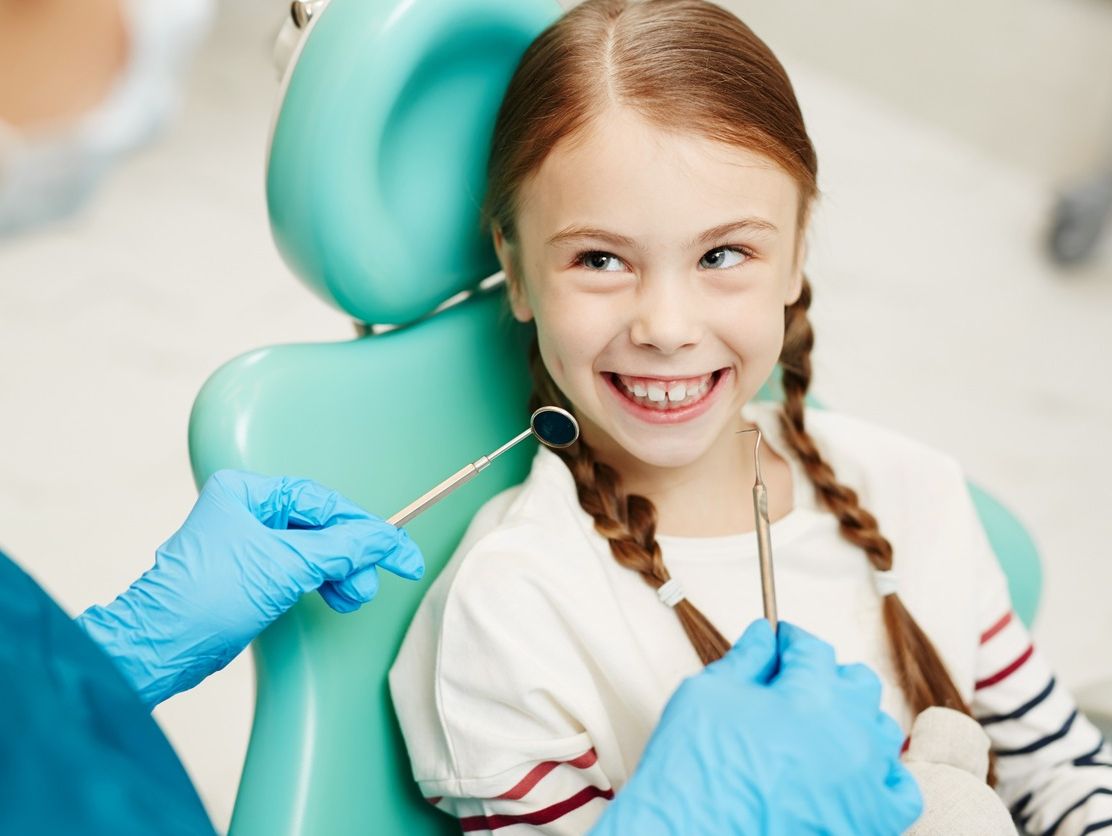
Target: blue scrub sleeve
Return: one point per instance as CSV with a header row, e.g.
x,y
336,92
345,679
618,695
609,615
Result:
x,y
79,752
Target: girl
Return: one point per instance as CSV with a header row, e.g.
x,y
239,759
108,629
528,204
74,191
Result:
x,y
649,187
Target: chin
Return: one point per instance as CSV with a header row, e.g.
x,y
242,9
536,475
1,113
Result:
x,y
664,448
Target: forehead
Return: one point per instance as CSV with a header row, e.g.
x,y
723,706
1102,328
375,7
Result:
x,y
623,174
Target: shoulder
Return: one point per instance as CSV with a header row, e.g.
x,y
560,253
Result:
x,y
525,544
875,447
879,462
908,484
493,629
524,565
516,537
917,492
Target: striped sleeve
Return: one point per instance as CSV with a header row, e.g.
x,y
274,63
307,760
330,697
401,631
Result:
x,y
1054,769
552,797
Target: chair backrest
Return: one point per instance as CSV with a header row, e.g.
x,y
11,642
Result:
x,y
380,419
376,172
1015,550
375,175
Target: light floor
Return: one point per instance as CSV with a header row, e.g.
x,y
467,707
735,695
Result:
x,y
936,314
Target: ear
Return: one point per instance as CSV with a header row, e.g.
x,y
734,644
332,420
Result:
x,y
515,285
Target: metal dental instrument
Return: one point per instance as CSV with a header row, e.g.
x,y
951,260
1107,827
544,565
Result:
x,y
553,427
764,541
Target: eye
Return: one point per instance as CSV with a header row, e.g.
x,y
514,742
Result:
x,y
597,260
717,258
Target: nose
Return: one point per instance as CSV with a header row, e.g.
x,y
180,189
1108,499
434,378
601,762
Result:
x,y
665,316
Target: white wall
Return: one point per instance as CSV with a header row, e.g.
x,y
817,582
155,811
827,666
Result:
x,y
1026,81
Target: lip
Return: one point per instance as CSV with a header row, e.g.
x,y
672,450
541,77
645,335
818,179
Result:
x,y
664,377
668,416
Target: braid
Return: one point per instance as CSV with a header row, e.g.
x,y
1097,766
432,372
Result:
x,y
627,521
919,669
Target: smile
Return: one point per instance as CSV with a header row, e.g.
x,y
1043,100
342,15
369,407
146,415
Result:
x,y
667,400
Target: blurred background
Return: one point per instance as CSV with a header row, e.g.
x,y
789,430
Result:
x,y
945,136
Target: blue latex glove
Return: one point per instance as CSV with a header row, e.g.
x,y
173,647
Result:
x,y
745,748
250,548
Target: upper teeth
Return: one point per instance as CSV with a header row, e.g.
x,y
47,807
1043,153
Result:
x,y
658,391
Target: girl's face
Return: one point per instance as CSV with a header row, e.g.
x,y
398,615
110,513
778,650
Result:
x,y
657,266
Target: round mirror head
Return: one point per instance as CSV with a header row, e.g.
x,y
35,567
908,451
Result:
x,y
554,427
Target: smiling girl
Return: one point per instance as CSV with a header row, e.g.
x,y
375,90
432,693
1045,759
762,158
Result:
x,y
649,187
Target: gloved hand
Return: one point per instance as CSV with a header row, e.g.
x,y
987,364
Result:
x,y
249,549
744,748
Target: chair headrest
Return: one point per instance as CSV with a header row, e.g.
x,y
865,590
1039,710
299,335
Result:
x,y
378,154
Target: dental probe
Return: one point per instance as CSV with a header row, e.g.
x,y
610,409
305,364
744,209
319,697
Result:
x,y
764,540
553,427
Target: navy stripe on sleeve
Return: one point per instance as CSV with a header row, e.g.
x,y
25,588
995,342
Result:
x,y
1090,758
1041,742
1097,825
1092,794
1019,806
1023,709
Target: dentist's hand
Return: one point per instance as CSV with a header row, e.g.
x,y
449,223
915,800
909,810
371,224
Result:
x,y
250,548
744,748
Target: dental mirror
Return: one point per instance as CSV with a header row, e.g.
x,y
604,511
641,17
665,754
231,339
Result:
x,y
552,427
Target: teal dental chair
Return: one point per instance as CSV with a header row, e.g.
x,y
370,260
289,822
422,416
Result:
x,y
375,176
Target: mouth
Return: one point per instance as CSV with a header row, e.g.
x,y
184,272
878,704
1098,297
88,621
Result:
x,y
666,400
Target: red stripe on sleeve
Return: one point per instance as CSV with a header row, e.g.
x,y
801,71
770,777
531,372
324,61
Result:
x,y
435,800
538,817
1006,672
519,790
996,628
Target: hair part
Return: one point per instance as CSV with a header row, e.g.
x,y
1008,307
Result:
x,y
607,53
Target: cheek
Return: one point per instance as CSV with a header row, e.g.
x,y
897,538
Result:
x,y
753,329
572,334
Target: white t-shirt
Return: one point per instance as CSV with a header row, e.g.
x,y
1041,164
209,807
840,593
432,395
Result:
x,y
537,667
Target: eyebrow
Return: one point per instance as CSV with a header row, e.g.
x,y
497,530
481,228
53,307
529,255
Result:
x,y
573,232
